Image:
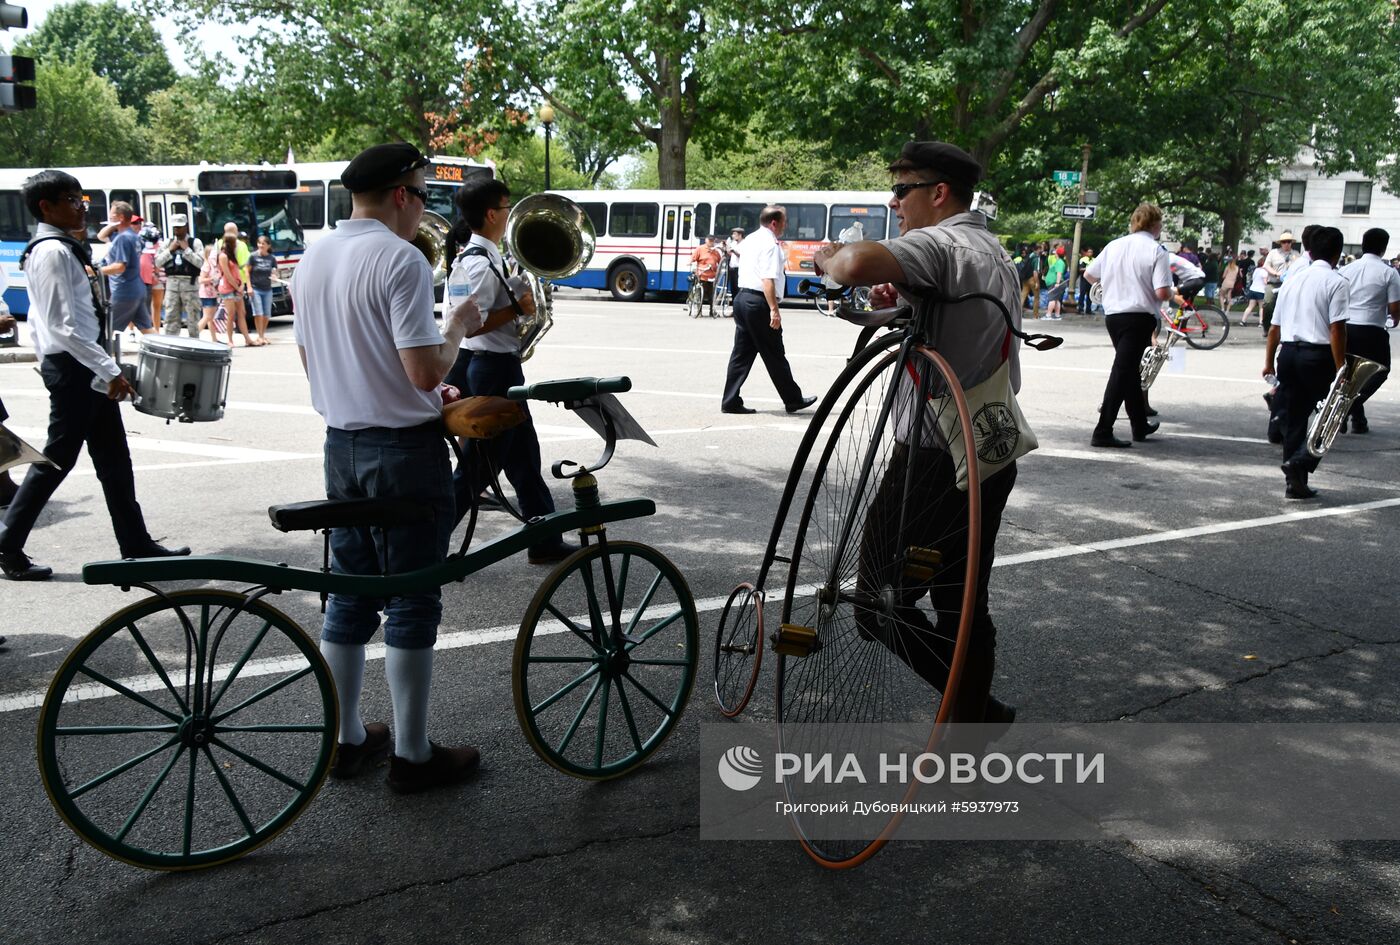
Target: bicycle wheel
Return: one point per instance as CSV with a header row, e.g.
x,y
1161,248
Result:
x,y
695,300
738,649
589,706
1206,328
187,730
862,645
826,305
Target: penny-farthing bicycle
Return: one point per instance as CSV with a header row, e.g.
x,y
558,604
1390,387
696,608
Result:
x,y
882,520
195,725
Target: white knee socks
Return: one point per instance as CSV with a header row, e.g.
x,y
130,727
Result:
x,y
410,675
347,663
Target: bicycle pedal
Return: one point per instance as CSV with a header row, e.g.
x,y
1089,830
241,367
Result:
x,y
921,564
794,640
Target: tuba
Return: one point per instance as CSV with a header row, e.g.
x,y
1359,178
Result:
x,y
550,237
1351,377
431,240
16,452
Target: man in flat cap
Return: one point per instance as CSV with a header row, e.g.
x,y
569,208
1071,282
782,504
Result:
x,y
944,249
375,357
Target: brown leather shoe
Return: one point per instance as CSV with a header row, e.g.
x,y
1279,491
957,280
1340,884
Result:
x,y
446,766
350,760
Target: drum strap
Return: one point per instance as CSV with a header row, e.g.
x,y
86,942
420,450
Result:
x,y
514,302
85,259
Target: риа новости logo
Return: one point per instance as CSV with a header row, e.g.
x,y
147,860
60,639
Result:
x,y
740,768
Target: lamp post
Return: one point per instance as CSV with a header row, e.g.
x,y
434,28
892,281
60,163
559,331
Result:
x,y
547,118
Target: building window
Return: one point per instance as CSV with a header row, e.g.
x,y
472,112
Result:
x,y
1290,195
1357,197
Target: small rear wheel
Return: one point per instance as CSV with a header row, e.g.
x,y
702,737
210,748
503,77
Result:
x,y
1206,328
738,649
605,659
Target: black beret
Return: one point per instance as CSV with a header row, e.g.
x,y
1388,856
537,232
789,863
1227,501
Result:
x,y
946,159
379,166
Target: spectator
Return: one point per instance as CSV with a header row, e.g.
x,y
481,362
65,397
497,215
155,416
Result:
x,y
261,267
1227,281
230,288
1055,283
736,236
1210,265
151,274
180,259
122,267
1082,301
704,264
1258,282
209,295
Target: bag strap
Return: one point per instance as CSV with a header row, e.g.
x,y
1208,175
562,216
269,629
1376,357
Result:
x,y
479,251
85,260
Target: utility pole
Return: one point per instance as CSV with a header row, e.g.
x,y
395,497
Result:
x,y
1072,288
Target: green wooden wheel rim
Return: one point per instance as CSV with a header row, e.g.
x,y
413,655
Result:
x,y
541,608
180,768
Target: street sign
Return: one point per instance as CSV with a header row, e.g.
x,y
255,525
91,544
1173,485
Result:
x,y
1078,211
1066,177
1091,196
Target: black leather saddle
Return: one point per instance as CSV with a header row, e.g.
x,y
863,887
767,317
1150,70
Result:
x,y
348,513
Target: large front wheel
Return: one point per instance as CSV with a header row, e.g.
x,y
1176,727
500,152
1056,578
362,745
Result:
x,y
1206,328
605,659
187,730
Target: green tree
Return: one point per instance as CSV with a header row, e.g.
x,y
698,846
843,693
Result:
x,y
78,121
118,46
519,162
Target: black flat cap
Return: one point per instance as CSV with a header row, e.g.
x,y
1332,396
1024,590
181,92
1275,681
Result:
x,y
946,159
379,166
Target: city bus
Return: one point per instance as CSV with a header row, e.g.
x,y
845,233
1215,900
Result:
x,y
322,201
645,237
256,197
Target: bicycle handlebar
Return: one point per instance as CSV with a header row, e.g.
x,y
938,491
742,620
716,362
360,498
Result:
x,y
570,389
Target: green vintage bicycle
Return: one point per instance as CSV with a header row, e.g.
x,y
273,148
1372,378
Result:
x,y
193,726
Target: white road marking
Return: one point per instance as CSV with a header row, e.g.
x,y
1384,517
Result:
x,y
210,450
33,699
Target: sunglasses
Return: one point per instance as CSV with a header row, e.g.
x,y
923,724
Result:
x,y
418,192
901,191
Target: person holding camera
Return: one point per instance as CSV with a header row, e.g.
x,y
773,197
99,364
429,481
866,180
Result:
x,y
181,257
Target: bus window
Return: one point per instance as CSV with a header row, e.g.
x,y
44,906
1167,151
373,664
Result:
x,y
16,225
670,225
180,206
308,204
742,216
806,221
687,218
337,204
633,219
277,222
442,201
871,219
894,227
217,209
96,216
597,215
155,215
130,196
702,220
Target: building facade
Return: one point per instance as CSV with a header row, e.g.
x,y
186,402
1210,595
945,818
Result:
x,y
1352,202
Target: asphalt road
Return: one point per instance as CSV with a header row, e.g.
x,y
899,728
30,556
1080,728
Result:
x,y
1156,583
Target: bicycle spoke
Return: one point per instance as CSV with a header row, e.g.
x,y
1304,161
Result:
x,y
602,724
263,694
156,666
122,768
129,693
113,729
189,803
238,667
574,628
146,798
248,828
567,688
273,728
648,693
264,768
660,662
653,631
583,710
646,602
561,659
627,714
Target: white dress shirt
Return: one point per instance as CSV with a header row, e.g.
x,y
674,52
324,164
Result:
x,y
61,316
1374,285
1185,269
1132,268
1310,302
490,296
763,259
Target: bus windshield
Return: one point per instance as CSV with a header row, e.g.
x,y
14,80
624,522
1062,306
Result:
x,y
256,214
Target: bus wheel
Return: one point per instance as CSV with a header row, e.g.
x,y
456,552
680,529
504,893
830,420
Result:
x,y
627,282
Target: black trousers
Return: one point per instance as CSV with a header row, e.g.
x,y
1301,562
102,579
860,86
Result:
x,y
1368,341
935,518
754,338
1305,373
516,452
79,415
1131,333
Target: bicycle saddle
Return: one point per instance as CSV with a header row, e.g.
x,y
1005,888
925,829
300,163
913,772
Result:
x,y
348,513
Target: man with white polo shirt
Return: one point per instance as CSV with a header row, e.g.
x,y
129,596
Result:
x,y
1309,334
758,322
374,356
1375,297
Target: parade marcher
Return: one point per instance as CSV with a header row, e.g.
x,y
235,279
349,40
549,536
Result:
x,y
69,330
1274,264
758,322
374,356
1136,275
1375,298
736,236
1309,336
943,248
122,267
488,363
704,263
182,257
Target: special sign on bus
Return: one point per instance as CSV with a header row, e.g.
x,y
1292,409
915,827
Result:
x,y
448,172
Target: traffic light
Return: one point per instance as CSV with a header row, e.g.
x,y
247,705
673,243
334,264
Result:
x,y
14,97
13,17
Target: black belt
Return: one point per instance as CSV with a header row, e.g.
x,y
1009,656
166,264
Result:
x,y
1309,345
750,291
433,426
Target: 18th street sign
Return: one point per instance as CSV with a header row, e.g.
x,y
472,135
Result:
x,y
1078,211
1066,177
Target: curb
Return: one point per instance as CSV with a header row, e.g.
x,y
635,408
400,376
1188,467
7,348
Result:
x,y
17,356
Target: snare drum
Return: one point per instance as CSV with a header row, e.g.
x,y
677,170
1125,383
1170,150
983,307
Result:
x,y
183,379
